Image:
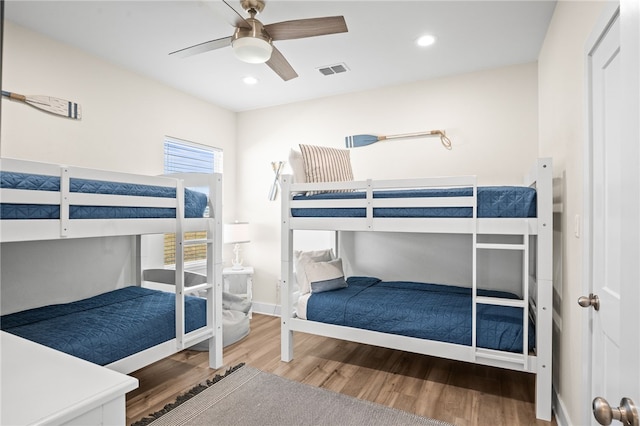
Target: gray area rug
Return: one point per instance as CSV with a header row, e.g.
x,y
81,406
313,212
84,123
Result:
x,y
247,396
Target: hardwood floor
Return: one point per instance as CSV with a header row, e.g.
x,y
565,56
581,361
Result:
x,y
456,392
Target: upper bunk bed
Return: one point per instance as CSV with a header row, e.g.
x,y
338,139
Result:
x,y
43,201
490,328
126,328
453,204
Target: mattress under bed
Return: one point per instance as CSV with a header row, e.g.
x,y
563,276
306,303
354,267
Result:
x,y
492,202
107,327
421,310
194,203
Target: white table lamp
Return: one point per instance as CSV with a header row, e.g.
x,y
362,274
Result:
x,y
236,233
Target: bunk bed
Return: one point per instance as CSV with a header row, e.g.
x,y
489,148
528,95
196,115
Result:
x,y
479,326
126,328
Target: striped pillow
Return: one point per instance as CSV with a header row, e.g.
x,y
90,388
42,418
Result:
x,y
323,164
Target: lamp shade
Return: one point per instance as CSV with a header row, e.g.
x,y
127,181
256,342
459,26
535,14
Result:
x,y
235,233
252,50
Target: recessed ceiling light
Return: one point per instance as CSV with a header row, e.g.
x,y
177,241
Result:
x,y
250,80
426,40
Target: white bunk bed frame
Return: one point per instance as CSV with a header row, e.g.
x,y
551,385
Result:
x,y
539,288
67,228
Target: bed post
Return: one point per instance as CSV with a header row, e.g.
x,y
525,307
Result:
x,y
214,268
286,280
179,283
544,314
136,243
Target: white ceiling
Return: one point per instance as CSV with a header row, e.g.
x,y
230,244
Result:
x,y
379,48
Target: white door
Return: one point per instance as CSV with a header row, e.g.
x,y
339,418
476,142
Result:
x,y
613,199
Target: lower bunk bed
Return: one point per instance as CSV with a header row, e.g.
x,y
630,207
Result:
x,y
420,310
107,328
127,328
429,319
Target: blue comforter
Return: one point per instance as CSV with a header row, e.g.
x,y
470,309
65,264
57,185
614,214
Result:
x,y
426,311
108,327
195,202
493,201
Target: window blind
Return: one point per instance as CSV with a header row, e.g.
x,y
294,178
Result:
x,y
186,157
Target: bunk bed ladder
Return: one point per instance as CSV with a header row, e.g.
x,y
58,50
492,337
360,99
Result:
x,y
196,286
523,246
188,339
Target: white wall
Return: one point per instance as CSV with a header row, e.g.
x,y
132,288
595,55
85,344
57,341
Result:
x,y
32,276
562,102
432,258
125,118
490,117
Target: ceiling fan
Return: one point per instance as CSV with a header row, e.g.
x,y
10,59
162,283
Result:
x,y
252,41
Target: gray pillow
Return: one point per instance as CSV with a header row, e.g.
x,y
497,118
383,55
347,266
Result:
x,y
325,276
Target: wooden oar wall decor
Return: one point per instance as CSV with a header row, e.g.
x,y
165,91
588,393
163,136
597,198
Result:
x,y
356,141
49,104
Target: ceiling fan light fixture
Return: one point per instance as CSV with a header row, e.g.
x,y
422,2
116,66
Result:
x,y
252,50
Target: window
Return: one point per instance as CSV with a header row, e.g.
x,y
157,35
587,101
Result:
x,y
184,157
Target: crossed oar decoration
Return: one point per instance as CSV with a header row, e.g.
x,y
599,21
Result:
x,y
277,169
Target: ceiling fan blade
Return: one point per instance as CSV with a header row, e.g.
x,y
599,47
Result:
x,y
229,14
279,64
202,47
301,28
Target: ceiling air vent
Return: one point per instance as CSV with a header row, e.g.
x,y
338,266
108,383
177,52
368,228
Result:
x,y
333,69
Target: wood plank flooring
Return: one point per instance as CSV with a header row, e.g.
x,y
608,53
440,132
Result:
x,y
456,392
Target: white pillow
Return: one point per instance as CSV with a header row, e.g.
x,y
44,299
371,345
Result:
x,y
325,276
297,166
324,164
302,258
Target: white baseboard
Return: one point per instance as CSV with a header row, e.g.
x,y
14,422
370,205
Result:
x,y
266,309
559,409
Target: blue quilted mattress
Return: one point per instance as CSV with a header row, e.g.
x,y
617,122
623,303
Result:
x,y
493,201
108,327
195,202
426,311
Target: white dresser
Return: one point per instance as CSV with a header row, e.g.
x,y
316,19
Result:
x,y
42,386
